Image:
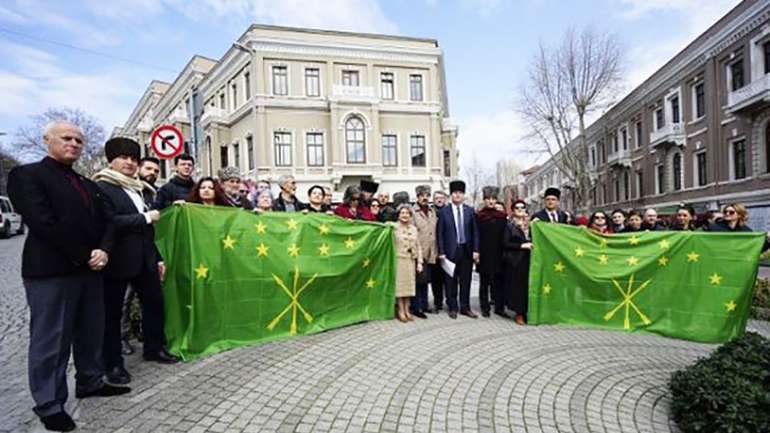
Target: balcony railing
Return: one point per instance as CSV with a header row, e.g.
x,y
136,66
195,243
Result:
x,y
179,116
757,91
621,157
670,133
213,114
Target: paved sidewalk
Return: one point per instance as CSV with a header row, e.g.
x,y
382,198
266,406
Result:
x,y
435,375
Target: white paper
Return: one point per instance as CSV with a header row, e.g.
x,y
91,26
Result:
x,y
448,266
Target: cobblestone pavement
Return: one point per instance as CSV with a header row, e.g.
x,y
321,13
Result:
x,y
435,375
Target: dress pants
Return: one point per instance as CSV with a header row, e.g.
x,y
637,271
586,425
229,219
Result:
x,y
420,299
65,312
437,283
125,319
147,287
462,278
491,285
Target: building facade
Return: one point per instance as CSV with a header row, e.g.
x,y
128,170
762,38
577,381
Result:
x,y
331,108
696,131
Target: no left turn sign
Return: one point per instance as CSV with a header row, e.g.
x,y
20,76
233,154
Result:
x,y
167,141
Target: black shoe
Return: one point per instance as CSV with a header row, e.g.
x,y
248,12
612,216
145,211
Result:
x,y
126,348
485,313
420,314
161,357
502,313
453,314
436,310
469,313
118,375
58,422
106,390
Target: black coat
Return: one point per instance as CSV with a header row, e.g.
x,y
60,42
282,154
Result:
x,y
542,215
62,229
175,189
279,204
491,227
722,226
516,267
134,238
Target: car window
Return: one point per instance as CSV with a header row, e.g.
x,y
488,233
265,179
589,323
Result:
x,y
5,206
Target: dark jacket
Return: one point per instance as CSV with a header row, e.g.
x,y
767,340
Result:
x,y
135,239
62,229
387,213
516,268
446,232
279,204
241,201
658,227
722,226
491,224
629,229
542,215
175,189
324,208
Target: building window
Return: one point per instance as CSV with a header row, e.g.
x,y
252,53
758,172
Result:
x,y
282,142
638,134
354,141
767,149
626,185
447,164
601,156
700,168
614,143
237,154
766,51
660,179
660,120
617,189
315,149
677,169
593,157
624,135
223,157
386,85
739,159
222,101
209,152
247,84
417,150
674,109
639,184
736,75
415,87
280,80
312,82
700,100
350,78
389,151
250,152
234,88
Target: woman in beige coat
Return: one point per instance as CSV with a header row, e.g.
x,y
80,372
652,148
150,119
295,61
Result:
x,y
408,252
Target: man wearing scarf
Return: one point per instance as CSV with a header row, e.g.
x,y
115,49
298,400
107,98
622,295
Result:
x,y
491,222
136,261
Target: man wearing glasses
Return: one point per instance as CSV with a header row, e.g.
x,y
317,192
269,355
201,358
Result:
x,y
552,213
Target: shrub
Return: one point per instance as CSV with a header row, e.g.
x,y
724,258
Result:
x,y
726,392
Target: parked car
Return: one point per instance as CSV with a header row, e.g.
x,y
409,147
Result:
x,y
10,221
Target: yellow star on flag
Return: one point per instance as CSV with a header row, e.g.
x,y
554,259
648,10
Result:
x,y
260,226
262,250
324,250
229,243
201,272
370,284
664,244
730,306
603,259
603,243
350,243
559,267
579,252
634,240
547,289
292,223
663,261
293,250
632,261
323,229
692,257
715,279
367,262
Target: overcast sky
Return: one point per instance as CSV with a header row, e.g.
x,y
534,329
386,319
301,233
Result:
x,y
123,44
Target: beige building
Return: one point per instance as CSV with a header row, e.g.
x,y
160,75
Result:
x,y
696,131
328,107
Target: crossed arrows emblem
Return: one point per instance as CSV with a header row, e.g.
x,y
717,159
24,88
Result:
x,y
628,302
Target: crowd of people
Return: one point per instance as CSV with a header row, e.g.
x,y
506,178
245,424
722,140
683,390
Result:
x,y
90,251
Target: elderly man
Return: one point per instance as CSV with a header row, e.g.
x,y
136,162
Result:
x,y
425,220
235,192
70,238
179,186
651,221
287,201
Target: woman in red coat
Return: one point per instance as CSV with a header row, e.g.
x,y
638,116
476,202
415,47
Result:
x,y
351,207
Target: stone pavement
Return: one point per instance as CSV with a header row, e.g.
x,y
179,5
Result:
x,y
435,375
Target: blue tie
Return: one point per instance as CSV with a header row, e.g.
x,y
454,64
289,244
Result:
x,y
460,227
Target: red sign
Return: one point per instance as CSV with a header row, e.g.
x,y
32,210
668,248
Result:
x,y
167,141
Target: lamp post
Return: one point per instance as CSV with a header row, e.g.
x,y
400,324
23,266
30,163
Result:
x,y
2,167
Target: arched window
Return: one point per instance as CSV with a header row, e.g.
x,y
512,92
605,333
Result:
x,y
354,140
677,171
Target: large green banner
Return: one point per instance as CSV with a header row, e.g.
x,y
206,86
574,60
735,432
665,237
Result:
x,y
235,278
689,285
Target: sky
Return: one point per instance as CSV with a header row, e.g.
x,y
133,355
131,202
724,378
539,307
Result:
x,y
100,55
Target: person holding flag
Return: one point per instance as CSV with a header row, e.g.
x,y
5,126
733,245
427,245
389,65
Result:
x,y
551,213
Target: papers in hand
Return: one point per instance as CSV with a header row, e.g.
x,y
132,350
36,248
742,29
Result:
x,y
448,266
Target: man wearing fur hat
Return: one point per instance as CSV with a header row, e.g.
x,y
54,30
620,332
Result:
x,y
136,261
425,220
231,183
491,222
552,213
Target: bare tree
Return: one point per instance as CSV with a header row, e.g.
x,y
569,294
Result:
x,y
566,84
7,162
476,177
28,142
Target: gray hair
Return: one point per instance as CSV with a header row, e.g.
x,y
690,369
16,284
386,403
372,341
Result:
x,y
284,179
407,207
50,126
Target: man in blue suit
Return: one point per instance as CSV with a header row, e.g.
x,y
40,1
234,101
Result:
x,y
458,241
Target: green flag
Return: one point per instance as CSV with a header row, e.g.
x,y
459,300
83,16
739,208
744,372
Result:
x,y
235,278
690,285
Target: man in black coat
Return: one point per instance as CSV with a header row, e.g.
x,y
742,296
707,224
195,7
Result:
x,y
69,244
179,186
491,222
552,213
286,200
436,274
135,261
